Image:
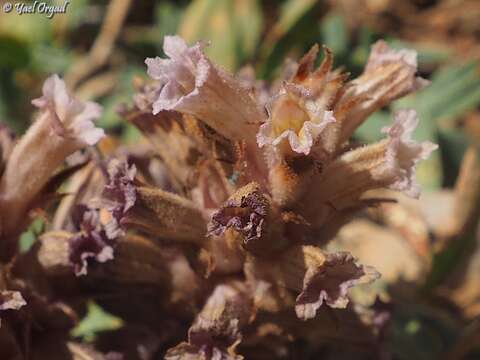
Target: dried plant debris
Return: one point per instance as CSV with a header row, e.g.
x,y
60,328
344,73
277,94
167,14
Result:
x,y
213,237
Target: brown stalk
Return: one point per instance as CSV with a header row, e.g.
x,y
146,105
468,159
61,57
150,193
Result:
x,y
117,11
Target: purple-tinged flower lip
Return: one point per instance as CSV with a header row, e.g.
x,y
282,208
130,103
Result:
x,y
120,190
85,246
189,62
403,153
245,215
94,240
70,117
194,85
99,233
330,282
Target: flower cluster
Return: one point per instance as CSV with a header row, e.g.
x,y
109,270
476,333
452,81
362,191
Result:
x,y
228,211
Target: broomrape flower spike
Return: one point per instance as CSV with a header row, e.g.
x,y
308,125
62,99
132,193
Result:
x,y
228,213
64,125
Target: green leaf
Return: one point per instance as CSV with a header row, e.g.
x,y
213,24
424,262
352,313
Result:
x,y
28,238
167,19
290,12
31,28
334,34
428,54
233,27
96,320
50,59
122,93
463,245
294,27
249,24
453,143
417,332
15,53
77,12
361,52
371,130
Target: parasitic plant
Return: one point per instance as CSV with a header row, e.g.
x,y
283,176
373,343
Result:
x,y
217,227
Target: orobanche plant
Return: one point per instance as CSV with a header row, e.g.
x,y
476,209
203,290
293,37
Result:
x,y
215,230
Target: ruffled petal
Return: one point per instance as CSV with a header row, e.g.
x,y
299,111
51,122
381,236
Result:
x,y
403,153
195,86
244,212
388,75
329,282
69,116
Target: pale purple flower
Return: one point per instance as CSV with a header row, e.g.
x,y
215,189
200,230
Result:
x,y
64,126
192,84
403,153
70,117
329,283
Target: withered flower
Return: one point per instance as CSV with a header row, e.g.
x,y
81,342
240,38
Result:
x,y
245,212
120,193
215,332
315,277
92,242
100,227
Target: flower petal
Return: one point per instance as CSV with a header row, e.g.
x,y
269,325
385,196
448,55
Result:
x,y
195,86
403,153
329,282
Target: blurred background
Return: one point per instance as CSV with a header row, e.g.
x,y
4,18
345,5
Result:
x,y
427,250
